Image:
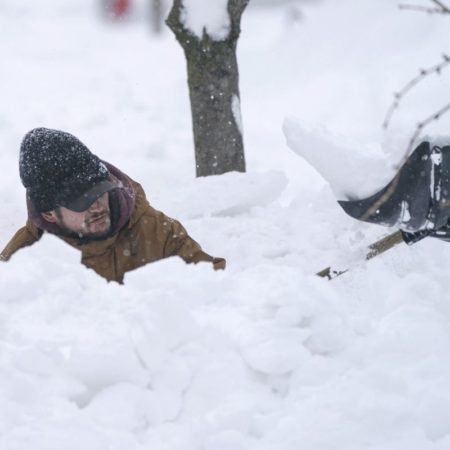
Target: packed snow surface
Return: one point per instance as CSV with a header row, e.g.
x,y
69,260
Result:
x,y
264,355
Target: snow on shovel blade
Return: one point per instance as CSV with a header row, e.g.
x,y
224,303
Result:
x,y
416,199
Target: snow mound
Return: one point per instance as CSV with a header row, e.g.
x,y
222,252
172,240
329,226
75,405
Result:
x,y
263,355
229,195
352,169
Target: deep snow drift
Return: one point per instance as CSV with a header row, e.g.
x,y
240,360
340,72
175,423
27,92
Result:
x,y
264,355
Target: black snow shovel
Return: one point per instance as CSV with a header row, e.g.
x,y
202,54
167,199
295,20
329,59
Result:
x,y
416,201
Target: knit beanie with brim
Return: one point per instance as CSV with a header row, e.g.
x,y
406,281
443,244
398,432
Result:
x,y
56,168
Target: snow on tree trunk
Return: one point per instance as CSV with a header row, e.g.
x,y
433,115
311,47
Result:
x,y
208,36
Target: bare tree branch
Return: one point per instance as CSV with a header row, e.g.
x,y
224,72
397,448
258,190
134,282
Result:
x,y
173,20
421,125
235,10
419,128
440,9
236,7
422,9
441,5
437,69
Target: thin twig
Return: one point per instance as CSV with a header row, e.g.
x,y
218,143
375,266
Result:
x,y
441,8
416,80
422,9
421,125
441,5
419,128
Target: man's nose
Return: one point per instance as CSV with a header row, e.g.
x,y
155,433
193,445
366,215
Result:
x,y
96,206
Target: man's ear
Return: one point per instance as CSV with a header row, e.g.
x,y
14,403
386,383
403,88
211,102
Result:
x,y
49,216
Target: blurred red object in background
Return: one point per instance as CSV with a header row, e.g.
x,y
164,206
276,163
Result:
x,y
115,9
120,7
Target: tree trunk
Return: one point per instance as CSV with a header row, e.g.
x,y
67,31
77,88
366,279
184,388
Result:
x,y
213,80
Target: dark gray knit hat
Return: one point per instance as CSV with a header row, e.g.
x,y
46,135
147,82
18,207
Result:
x,y
57,169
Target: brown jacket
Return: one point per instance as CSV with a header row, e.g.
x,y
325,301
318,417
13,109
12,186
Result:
x,y
148,236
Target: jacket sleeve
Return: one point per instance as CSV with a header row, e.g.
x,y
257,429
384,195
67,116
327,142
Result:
x,y
26,236
179,243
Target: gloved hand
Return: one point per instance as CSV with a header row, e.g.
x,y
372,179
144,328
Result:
x,y
411,237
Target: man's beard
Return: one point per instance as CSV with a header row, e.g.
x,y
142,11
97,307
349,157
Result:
x,y
85,235
97,235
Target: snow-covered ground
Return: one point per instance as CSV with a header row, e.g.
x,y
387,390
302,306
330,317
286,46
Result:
x,y
264,355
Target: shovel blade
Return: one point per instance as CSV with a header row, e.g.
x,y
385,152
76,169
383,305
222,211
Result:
x,y
416,198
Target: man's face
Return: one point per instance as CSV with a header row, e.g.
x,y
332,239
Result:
x,y
94,222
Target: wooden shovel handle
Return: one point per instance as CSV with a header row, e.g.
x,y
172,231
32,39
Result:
x,y
375,249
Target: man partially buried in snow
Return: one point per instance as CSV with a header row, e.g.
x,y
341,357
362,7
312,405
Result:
x,y
94,207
